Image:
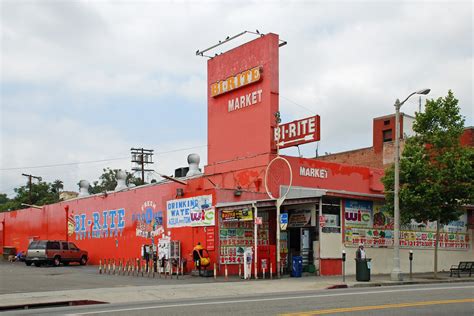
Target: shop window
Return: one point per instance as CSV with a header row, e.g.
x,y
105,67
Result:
x,y
237,233
387,135
332,213
386,122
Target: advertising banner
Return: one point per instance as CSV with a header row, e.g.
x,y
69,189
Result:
x,y
383,219
358,214
195,211
237,215
413,235
408,239
331,220
300,219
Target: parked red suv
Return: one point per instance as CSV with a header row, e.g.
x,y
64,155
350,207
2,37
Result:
x,y
54,252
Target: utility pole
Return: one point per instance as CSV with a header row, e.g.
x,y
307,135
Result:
x,y
142,157
30,185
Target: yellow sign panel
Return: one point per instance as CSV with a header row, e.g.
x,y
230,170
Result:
x,y
234,82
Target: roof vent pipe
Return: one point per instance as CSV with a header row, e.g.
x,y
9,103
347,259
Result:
x,y
193,161
83,188
121,177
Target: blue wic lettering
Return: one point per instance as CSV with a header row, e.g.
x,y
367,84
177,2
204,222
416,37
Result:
x,y
112,214
104,215
96,219
121,220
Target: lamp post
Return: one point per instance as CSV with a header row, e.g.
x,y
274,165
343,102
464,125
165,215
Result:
x,y
396,274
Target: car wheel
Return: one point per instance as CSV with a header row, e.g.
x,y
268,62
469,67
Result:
x,y
83,261
37,264
57,261
28,263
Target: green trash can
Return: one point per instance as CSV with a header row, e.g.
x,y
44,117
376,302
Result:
x,y
363,269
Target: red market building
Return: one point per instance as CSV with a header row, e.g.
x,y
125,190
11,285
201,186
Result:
x,y
329,207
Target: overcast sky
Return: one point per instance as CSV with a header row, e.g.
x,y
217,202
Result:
x,y
85,81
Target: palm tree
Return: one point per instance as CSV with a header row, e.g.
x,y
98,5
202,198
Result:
x,y
57,186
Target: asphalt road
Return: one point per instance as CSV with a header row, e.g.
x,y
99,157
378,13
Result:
x,y
433,299
18,278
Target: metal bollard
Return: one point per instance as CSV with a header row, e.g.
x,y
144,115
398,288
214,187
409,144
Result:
x,y
137,264
263,270
109,265
114,272
271,271
240,271
100,266
215,271
225,273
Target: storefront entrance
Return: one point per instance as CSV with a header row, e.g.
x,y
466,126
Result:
x,y
300,238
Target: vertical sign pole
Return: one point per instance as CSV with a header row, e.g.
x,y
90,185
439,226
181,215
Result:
x,y
255,237
278,203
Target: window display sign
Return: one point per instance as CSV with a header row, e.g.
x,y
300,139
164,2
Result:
x,y
300,218
358,214
413,235
236,236
383,219
331,220
237,215
195,211
408,239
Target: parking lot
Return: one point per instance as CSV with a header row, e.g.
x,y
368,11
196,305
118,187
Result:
x,y
18,278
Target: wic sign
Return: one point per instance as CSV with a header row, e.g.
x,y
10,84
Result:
x,y
298,132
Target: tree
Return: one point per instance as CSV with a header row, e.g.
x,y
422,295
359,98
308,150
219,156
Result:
x,y
57,186
436,172
42,193
107,181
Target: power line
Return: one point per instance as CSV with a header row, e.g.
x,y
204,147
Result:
x,y
302,106
63,164
94,161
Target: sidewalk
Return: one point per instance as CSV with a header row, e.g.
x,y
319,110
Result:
x,y
234,287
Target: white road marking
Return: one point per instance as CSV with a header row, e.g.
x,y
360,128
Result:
x,y
274,299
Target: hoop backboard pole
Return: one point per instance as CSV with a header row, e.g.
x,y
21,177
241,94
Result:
x,y
279,202
255,237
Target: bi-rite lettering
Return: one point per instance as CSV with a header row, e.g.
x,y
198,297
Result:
x,y
234,82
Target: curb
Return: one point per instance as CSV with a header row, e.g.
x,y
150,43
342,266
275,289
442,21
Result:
x,y
356,285
337,286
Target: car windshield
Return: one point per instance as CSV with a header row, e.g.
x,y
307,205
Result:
x,y
41,244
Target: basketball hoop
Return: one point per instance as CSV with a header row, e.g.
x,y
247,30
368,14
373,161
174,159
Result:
x,y
278,171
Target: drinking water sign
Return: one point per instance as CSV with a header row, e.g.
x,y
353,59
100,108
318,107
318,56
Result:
x,y
195,211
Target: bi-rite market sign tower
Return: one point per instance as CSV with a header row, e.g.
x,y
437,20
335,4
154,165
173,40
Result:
x,y
242,101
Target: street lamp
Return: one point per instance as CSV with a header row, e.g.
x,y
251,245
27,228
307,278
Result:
x,y
396,274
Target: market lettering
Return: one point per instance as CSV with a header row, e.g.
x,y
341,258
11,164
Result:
x,y
313,172
234,82
245,100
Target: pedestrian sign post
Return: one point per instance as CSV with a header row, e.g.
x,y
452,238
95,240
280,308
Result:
x,y
283,221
